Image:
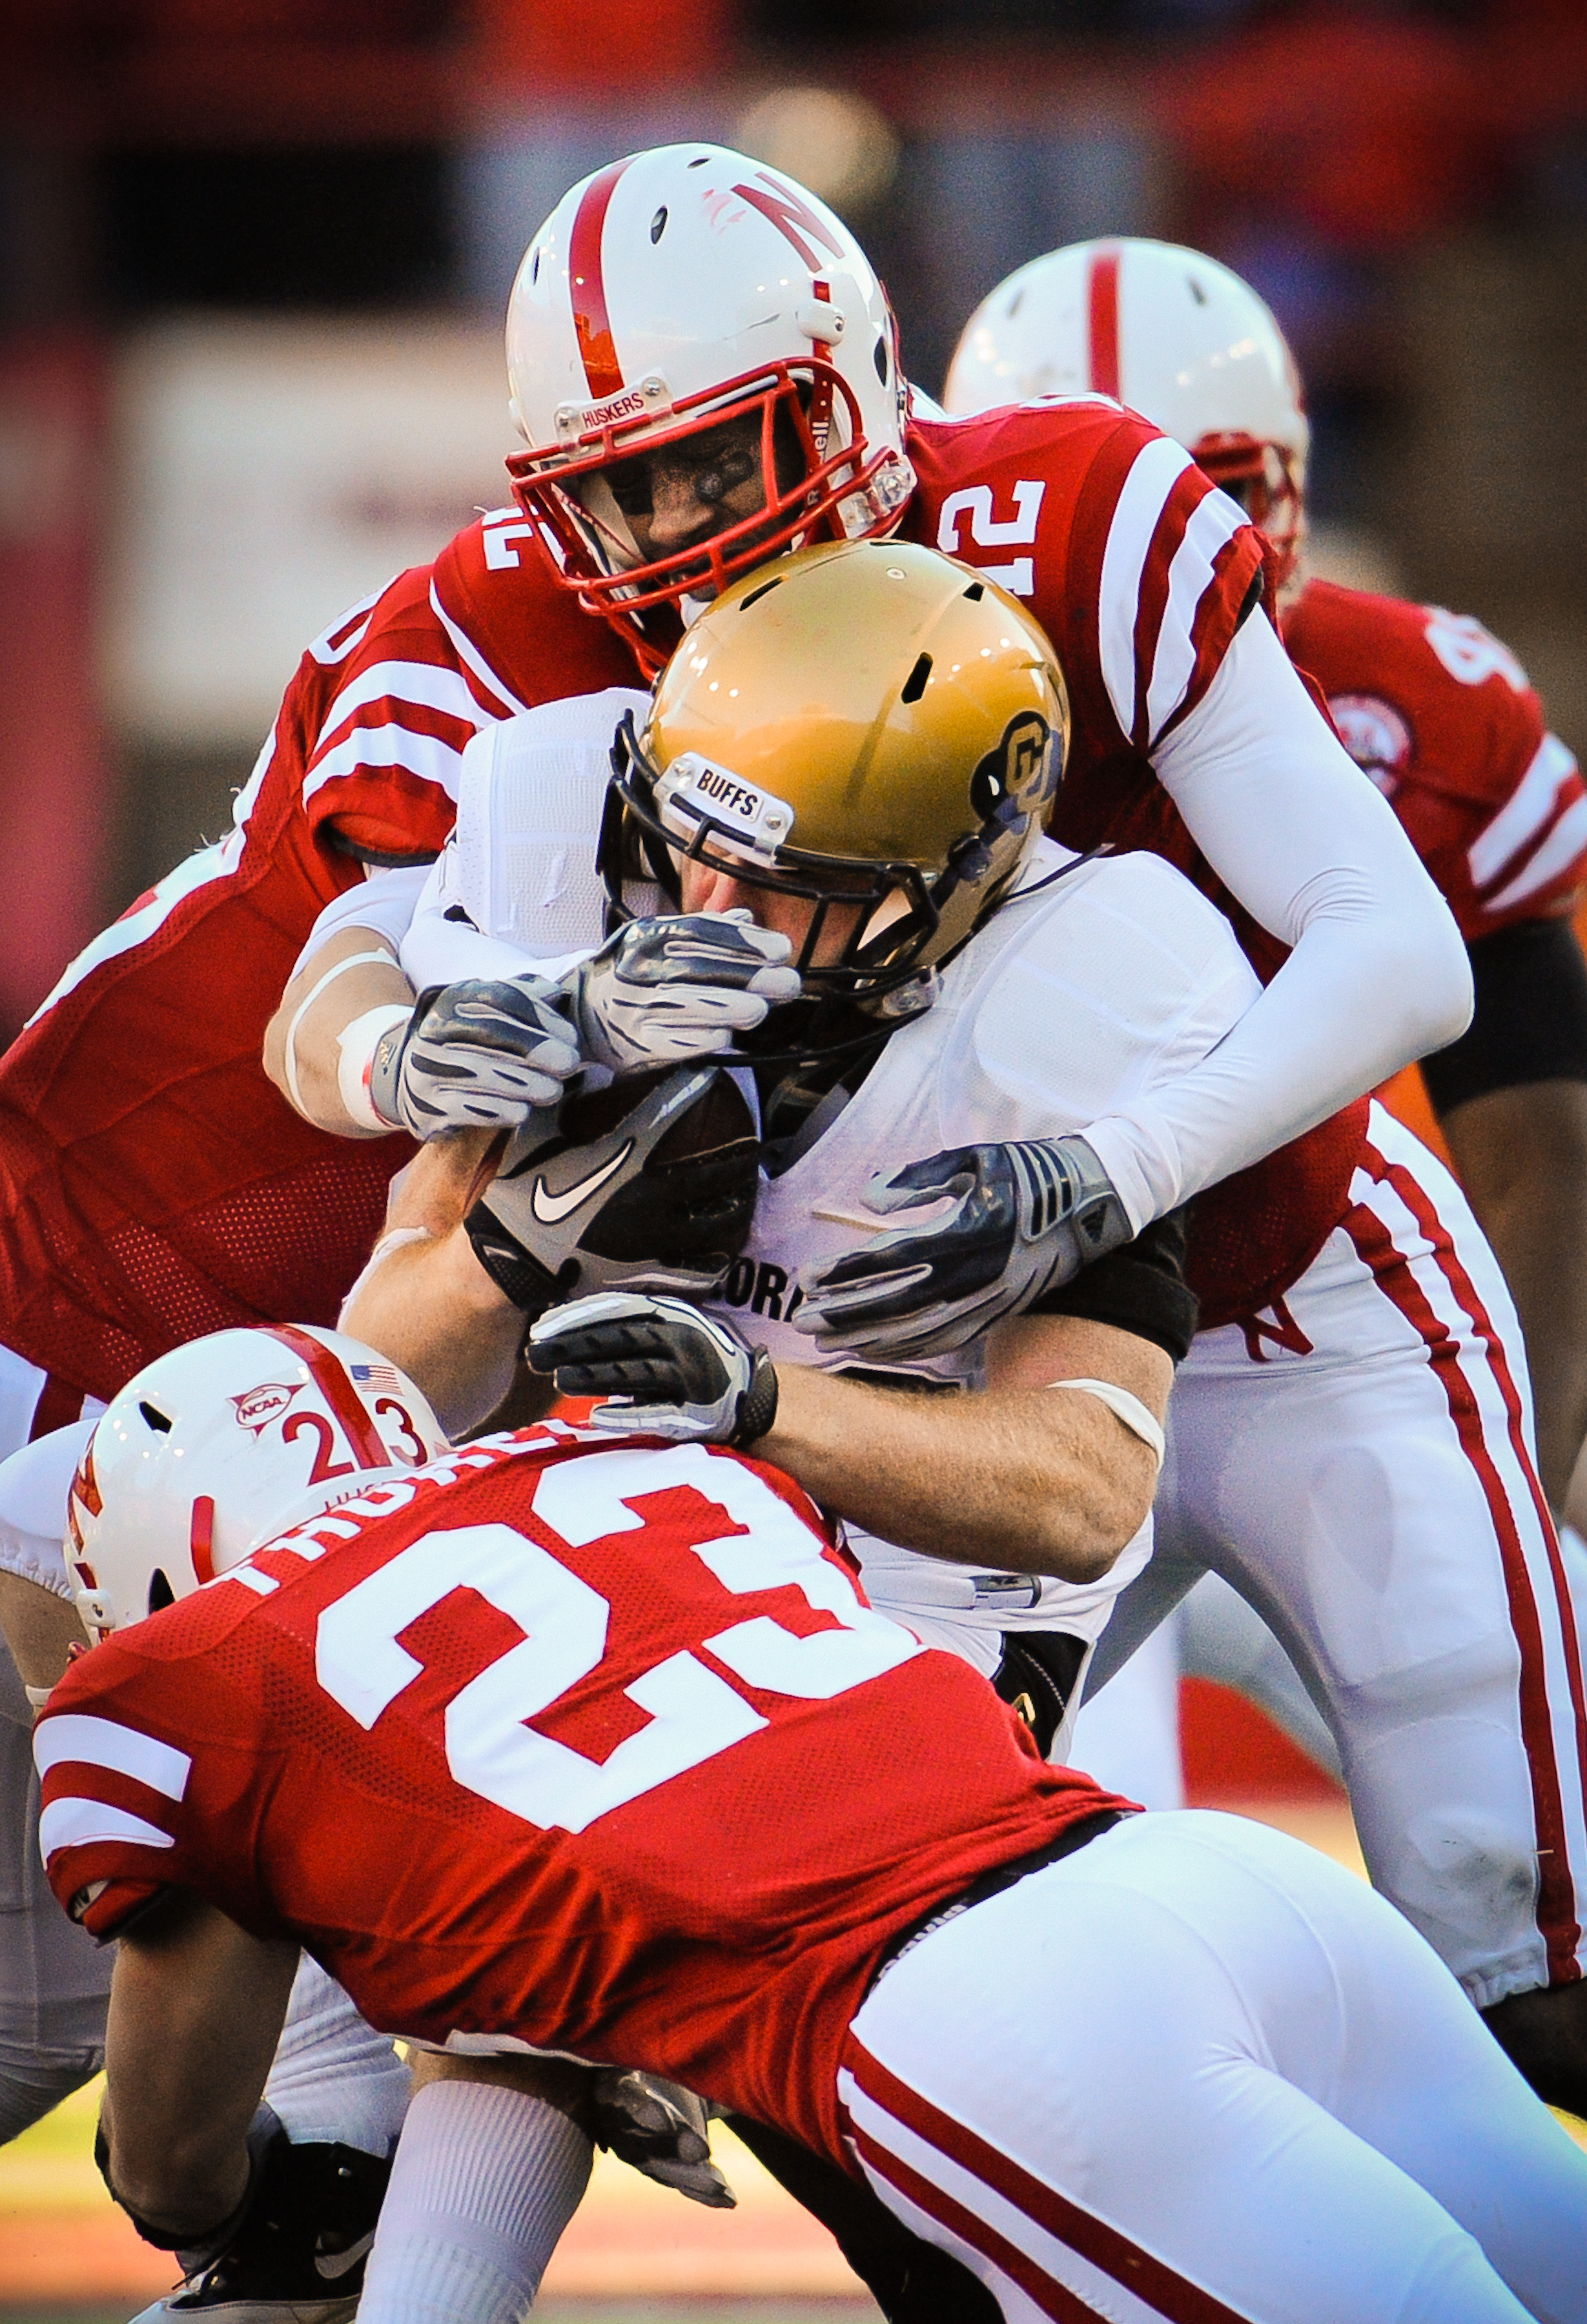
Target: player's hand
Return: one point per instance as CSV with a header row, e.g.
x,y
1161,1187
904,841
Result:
x,y
1025,1217
665,1368
661,991
659,2128
472,1055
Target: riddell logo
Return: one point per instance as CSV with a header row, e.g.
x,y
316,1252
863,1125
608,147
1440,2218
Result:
x,y
260,1405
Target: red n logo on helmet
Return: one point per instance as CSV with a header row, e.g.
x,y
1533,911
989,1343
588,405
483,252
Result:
x,y
793,218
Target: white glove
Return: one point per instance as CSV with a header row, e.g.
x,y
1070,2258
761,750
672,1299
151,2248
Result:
x,y
663,991
473,1055
1028,1216
660,2129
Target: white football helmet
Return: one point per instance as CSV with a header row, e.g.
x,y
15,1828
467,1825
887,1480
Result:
x,y
1173,335
214,1447
672,291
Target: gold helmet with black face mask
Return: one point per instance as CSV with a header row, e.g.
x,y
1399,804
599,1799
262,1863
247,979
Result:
x,y
865,724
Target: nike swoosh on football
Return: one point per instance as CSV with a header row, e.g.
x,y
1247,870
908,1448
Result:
x,y
550,1208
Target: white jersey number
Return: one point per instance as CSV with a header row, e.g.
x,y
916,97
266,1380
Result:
x,y
693,1713
988,531
1469,653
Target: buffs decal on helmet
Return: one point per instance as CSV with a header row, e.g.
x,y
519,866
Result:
x,y
869,726
219,1444
681,291
1173,335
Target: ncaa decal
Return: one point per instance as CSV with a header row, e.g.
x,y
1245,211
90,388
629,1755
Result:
x,y
264,1404
1376,736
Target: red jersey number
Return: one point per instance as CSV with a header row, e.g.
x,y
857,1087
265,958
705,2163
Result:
x,y
694,1714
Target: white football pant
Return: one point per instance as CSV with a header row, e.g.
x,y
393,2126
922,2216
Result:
x,y
1361,1472
1194,2071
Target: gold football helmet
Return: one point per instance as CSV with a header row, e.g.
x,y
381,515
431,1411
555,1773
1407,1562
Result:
x,y
864,723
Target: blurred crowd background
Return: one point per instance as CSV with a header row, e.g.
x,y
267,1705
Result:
x,y
254,256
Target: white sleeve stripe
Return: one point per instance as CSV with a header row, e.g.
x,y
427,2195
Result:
x,y
216,862
424,755
1524,813
105,1743
469,652
1565,842
1215,523
79,1824
1155,471
428,684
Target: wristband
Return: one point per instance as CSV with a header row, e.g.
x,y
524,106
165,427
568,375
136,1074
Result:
x,y
358,1043
353,960
1126,1407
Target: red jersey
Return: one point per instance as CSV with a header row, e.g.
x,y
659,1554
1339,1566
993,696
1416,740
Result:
x,y
599,1750
1441,716
153,1185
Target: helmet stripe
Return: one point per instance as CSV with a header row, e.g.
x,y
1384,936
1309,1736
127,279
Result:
x,y
338,1392
587,282
201,1537
1101,285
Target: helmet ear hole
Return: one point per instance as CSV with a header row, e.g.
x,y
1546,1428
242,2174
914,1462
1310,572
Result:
x,y
157,1420
161,1593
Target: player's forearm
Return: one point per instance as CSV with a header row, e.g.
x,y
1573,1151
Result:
x,y
1522,1158
304,1053
427,1305
1029,1480
196,2012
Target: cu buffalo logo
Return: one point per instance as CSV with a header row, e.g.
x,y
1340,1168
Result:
x,y
1023,766
261,1406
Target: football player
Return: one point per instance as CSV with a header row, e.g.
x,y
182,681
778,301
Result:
x,y
1440,715
576,1746
706,371
1405,1434
1432,707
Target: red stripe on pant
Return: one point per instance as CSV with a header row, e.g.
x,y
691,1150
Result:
x,y
1391,1271
1142,2274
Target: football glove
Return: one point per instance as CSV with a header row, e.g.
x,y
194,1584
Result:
x,y
660,2129
661,991
472,1055
667,1369
1025,1217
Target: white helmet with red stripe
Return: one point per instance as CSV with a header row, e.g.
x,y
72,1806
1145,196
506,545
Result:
x,y
672,291
1173,335
221,1444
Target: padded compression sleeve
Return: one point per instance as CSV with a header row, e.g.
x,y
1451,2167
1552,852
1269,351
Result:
x,y
1377,974
1530,1023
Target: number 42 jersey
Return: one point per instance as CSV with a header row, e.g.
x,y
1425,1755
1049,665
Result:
x,y
600,1751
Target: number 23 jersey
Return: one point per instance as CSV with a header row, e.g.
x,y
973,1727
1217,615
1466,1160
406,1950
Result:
x,y
597,1750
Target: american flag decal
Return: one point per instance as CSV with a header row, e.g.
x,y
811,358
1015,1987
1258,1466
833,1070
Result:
x,y
375,1376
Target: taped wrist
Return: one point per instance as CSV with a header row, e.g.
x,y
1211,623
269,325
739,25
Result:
x,y
199,2250
359,1045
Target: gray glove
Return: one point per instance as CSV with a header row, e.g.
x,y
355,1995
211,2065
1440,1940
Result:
x,y
661,991
661,2129
667,1369
1028,1216
473,1055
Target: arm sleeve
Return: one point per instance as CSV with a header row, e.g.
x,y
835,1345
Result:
x,y
1377,974
1530,1022
383,903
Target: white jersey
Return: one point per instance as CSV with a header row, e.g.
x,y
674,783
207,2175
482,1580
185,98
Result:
x,y
1102,982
